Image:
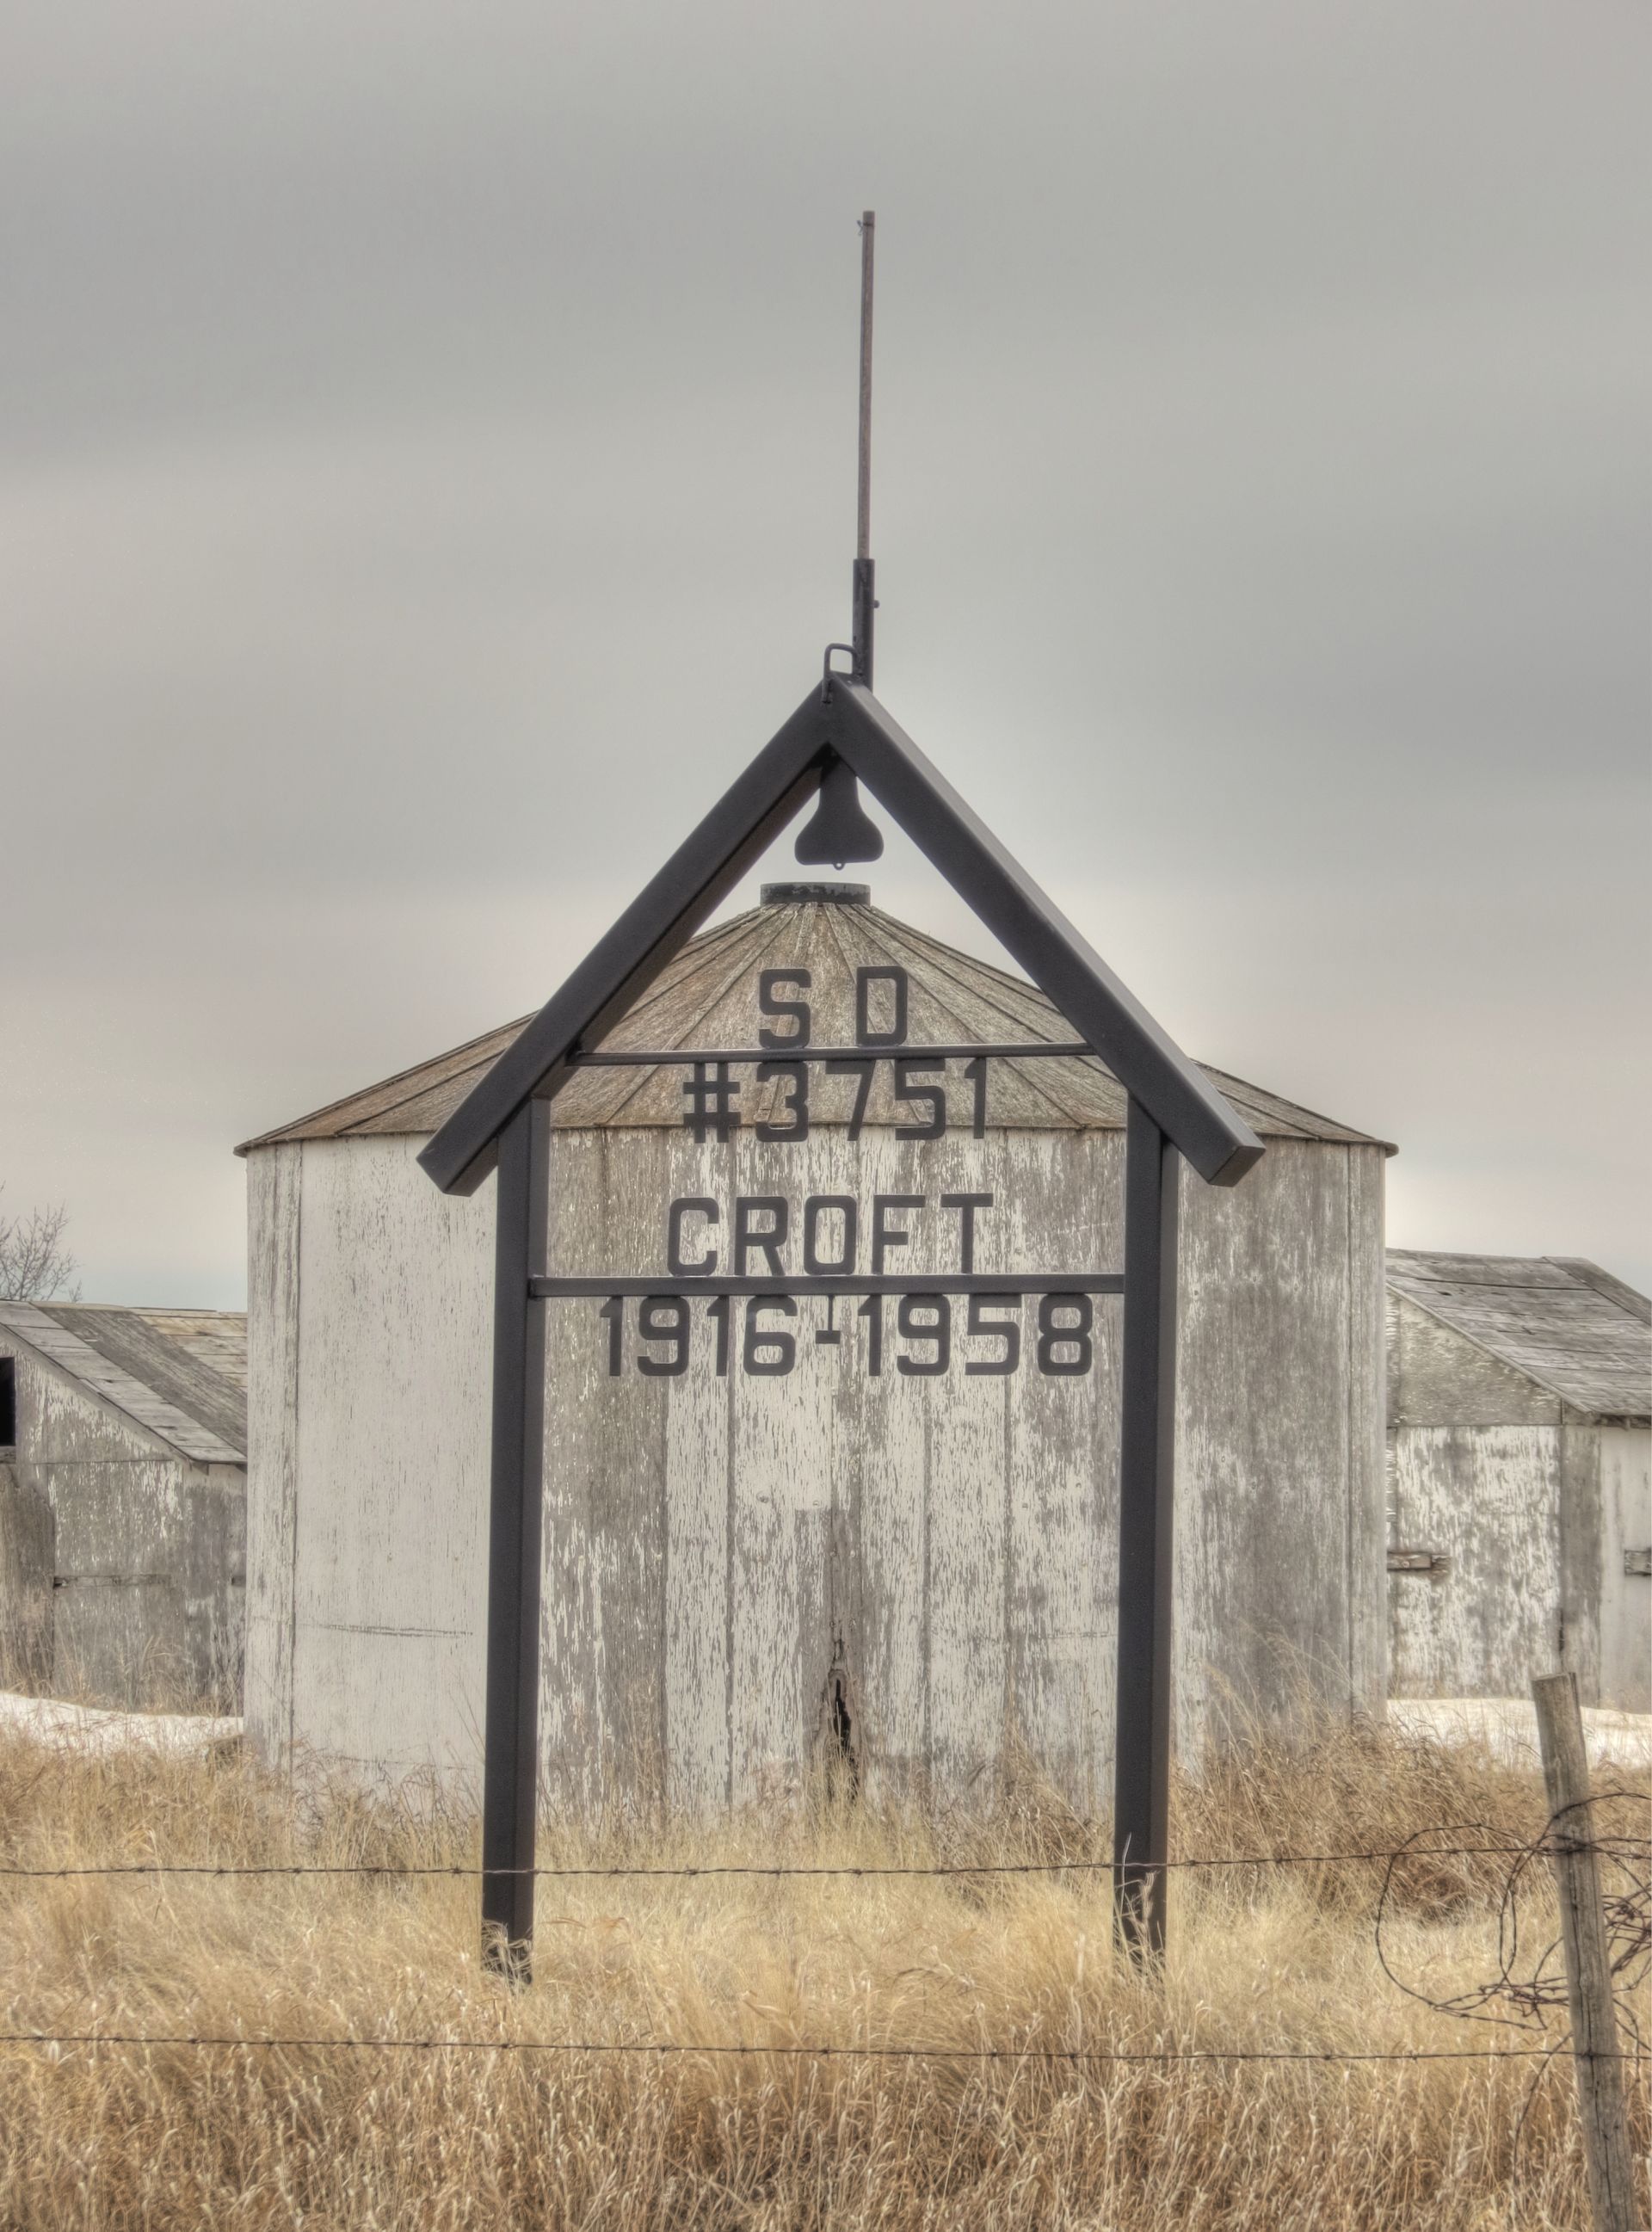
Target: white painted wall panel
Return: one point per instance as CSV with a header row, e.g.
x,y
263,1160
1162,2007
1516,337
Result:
x,y
121,1562
1530,1505
394,1350
715,1548
1279,1453
1626,1598
718,1554
1437,1377
273,1208
1486,1498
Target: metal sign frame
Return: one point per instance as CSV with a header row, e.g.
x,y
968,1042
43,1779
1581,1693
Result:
x,y
1175,1114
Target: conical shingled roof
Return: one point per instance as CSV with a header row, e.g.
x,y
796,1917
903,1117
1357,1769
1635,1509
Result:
x,y
704,999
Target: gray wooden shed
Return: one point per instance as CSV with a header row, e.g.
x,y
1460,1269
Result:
x,y
738,1569
122,1503
1519,1477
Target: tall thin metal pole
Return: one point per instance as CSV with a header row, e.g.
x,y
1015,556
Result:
x,y
1146,1535
865,602
863,516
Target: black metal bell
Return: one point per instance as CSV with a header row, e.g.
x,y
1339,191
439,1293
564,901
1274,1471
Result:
x,y
839,830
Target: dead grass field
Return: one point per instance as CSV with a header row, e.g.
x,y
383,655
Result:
x,y
1263,1959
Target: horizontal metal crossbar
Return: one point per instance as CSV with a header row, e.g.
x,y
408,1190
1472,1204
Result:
x,y
909,1282
652,1058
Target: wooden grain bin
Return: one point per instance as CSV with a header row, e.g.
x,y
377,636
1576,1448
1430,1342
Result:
x,y
1519,1477
122,1503
746,1574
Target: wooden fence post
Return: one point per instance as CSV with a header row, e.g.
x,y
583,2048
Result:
x,y
1595,2044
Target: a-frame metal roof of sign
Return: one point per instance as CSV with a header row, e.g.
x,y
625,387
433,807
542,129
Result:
x,y
844,720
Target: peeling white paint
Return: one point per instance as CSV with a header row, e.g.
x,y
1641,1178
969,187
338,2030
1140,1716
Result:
x,y
714,1548
1528,1510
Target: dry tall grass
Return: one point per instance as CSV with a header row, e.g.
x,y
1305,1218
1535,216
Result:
x,y
1263,1958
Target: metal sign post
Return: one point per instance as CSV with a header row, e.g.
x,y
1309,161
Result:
x,y
510,1754
839,738
1146,1536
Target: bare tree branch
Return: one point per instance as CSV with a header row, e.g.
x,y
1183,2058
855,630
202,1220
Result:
x,y
35,1266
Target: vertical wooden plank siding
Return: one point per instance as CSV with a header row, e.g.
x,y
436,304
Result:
x,y
120,1617
122,1561
824,1520
720,1554
274,1194
636,1622
971,1586
967,1575
395,1327
1625,1596
883,1450
1525,1507
1367,1476
713,1548
1264,1427
27,1547
779,1526
1486,1501
1061,1486
579,1423
1582,1554
699,1462
1437,1377
627,1504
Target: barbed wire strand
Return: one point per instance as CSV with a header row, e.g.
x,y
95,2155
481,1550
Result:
x,y
678,2046
690,1870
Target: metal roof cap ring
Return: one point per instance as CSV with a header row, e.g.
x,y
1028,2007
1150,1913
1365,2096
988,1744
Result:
x,y
817,894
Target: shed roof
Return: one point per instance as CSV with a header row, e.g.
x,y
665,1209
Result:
x,y
1563,1321
181,1374
703,998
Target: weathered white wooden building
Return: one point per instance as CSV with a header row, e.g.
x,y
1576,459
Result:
x,y
901,1539
122,1503
1519,1477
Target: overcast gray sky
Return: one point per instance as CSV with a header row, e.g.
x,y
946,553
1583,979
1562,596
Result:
x,y
426,476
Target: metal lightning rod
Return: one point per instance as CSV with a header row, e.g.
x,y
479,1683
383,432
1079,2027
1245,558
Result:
x,y
839,830
865,603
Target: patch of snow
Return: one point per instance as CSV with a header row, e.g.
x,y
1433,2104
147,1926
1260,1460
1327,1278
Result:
x,y
91,1728
1508,1729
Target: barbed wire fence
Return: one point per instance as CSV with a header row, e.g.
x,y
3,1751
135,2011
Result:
x,y
1524,1990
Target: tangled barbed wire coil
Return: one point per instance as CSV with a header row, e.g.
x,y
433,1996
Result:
x,y
1527,1982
